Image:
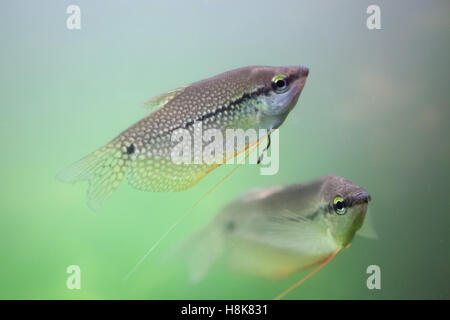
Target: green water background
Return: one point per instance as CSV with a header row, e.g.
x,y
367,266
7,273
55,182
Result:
x,y
375,110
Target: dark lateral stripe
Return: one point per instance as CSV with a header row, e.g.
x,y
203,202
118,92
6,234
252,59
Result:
x,y
245,97
228,107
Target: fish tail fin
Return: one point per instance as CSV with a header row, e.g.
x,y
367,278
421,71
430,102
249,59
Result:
x,y
199,252
104,169
207,246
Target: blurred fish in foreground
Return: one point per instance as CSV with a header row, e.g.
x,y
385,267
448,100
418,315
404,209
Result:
x,y
254,97
277,231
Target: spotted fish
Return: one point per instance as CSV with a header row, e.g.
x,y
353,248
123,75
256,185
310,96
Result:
x,y
258,97
277,231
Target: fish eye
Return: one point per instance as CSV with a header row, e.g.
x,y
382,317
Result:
x,y
339,205
280,83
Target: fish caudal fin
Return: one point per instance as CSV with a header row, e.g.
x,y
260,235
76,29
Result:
x,y
104,169
200,252
207,247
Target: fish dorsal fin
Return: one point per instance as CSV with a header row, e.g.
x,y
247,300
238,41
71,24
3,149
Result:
x,y
157,102
259,193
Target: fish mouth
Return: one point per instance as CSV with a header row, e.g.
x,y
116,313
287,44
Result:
x,y
361,197
304,71
300,76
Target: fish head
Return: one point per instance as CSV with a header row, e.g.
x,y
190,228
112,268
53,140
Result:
x,y
347,203
279,90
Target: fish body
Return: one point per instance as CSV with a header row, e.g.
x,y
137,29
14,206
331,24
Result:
x,y
257,97
274,232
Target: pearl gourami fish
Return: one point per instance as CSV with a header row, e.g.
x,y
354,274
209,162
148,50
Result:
x,y
275,232
254,97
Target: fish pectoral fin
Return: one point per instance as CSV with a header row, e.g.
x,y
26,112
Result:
x,y
291,214
368,230
157,102
292,231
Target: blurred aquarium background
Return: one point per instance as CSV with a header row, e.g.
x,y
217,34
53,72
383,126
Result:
x,y
375,109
